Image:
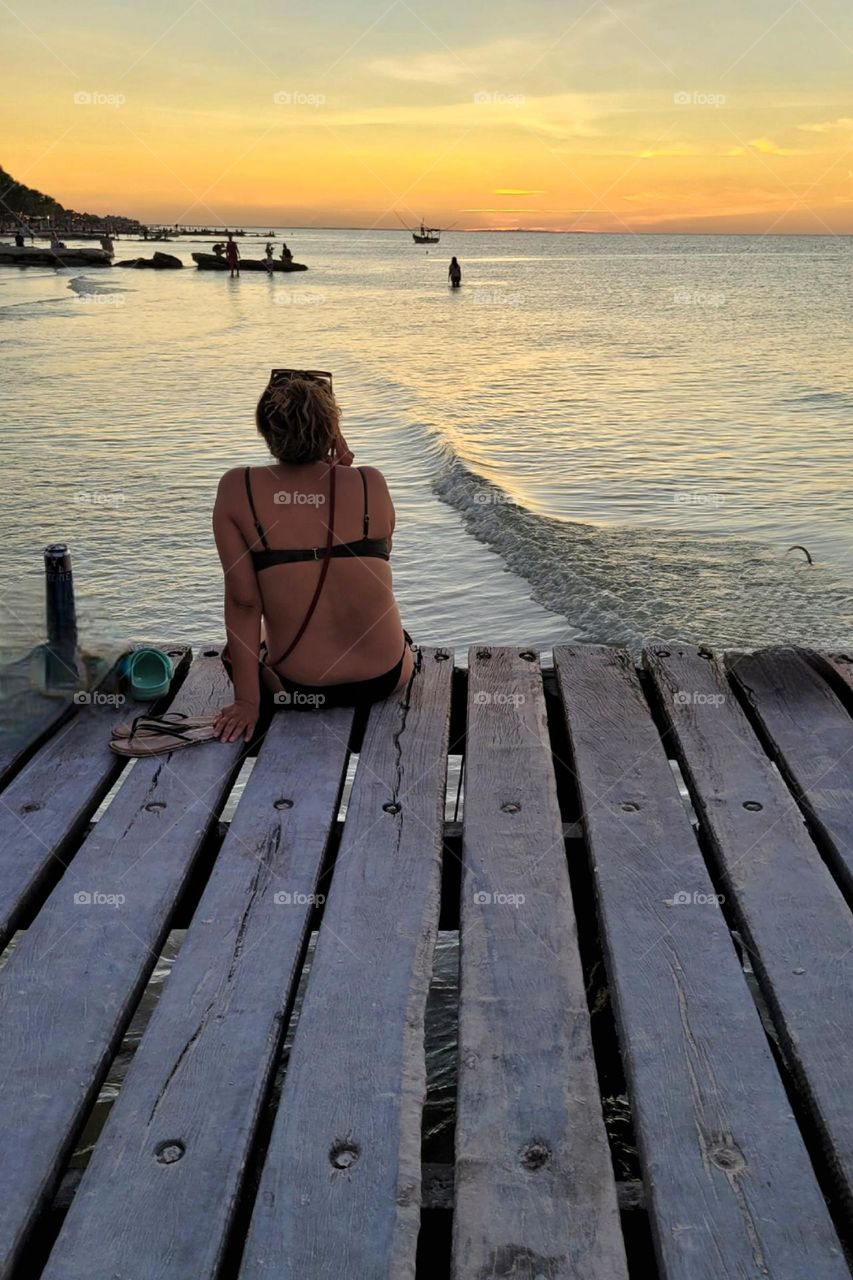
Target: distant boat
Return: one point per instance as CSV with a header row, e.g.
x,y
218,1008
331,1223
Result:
x,y
422,234
213,262
427,235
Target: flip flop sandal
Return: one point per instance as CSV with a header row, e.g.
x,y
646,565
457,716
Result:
x,y
150,743
158,724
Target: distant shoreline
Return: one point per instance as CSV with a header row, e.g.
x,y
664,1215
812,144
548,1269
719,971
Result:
x,y
291,227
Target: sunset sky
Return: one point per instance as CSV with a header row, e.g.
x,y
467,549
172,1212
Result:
x,y
640,115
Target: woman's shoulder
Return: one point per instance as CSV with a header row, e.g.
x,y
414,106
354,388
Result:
x,y
229,480
232,485
373,476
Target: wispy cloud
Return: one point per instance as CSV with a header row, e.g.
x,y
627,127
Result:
x,y
767,147
425,68
828,126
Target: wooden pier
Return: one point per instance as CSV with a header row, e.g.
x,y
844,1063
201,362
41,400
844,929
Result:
x,y
650,868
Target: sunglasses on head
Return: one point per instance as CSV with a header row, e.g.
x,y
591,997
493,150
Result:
x,y
312,375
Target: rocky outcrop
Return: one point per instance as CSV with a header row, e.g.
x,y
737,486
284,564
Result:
x,y
159,262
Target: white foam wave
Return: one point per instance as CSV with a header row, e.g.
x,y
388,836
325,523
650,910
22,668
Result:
x,y
635,587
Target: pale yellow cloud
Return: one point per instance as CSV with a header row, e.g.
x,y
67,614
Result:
x,y
767,147
828,126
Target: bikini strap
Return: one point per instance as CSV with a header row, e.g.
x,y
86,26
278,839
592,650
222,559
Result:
x,y
327,560
258,525
366,511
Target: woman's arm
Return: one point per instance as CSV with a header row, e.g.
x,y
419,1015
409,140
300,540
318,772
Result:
x,y
242,614
381,505
341,452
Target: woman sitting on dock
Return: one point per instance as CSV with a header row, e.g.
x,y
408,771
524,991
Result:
x,y
305,545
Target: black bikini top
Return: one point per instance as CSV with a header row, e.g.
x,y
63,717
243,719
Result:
x,y
267,556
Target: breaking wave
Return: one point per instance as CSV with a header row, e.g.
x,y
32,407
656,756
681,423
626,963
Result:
x,y
634,587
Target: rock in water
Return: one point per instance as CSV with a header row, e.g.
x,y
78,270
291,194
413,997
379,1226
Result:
x,y
160,262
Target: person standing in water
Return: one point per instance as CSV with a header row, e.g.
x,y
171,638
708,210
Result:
x,y
232,256
454,273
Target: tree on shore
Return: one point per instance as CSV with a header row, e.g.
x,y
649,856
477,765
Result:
x,y
17,201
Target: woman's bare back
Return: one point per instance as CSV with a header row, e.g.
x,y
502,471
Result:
x,y
355,632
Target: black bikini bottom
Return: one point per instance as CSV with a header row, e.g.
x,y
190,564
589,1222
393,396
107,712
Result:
x,y
317,697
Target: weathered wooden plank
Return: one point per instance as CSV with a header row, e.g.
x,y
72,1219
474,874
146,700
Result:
x,y
812,737
535,1193
47,805
340,1190
842,665
198,1079
731,1191
71,984
29,718
790,911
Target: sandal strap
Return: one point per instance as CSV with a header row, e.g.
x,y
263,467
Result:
x,y
156,724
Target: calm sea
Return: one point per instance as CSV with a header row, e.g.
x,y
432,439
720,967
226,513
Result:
x,y
603,438
609,439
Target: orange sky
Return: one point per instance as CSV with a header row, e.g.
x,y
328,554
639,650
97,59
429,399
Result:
x,y
666,115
